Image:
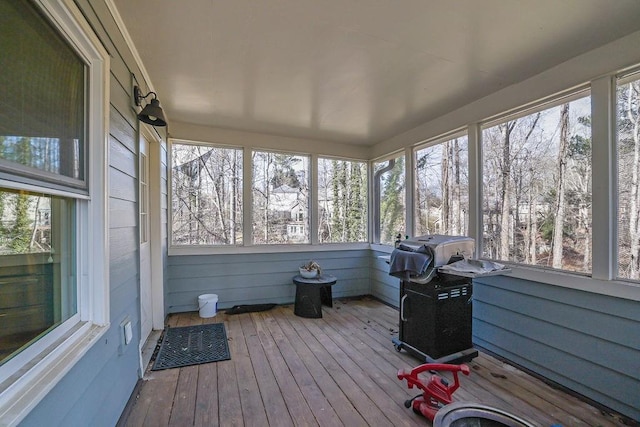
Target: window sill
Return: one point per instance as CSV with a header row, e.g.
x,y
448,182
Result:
x,y
265,249
613,288
22,392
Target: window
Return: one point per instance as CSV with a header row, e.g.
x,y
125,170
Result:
x,y
342,201
389,200
41,138
537,187
37,267
206,194
42,99
441,200
54,289
628,124
280,189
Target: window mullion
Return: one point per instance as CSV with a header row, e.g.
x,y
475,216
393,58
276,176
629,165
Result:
x,y
247,196
314,208
604,173
475,186
409,188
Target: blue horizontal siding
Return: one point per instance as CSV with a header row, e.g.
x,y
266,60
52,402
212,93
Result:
x,y
383,286
586,342
259,278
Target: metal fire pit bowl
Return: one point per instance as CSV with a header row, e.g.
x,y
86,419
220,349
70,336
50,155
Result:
x,y
466,414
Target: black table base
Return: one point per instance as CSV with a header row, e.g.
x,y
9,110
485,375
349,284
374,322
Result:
x,y
311,294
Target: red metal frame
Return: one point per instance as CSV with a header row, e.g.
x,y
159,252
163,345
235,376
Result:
x,y
436,392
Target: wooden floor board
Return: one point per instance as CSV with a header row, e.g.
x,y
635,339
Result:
x,y
298,408
339,370
322,410
275,407
342,396
184,400
373,382
388,362
228,392
349,400
206,408
253,411
539,394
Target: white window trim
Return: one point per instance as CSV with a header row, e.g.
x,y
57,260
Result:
x,y
170,167
248,246
313,209
602,280
600,126
411,172
27,378
374,196
315,160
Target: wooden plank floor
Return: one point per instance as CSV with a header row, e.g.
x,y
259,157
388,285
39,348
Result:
x,y
336,371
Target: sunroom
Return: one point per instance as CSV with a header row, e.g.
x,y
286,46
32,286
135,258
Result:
x,y
326,131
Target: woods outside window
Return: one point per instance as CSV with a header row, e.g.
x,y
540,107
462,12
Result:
x,y
536,186
280,190
389,200
342,201
628,132
441,188
207,204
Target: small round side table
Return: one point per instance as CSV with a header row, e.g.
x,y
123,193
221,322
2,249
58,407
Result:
x,y
311,294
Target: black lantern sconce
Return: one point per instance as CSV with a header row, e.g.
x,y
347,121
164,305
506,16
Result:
x,y
151,113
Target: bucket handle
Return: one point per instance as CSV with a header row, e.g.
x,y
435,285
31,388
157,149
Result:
x,y
206,302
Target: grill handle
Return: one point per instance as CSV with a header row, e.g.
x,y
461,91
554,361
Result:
x,y
404,297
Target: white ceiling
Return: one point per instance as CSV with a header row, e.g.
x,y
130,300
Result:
x,y
353,71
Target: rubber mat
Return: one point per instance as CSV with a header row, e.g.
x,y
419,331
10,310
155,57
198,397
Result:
x,y
252,308
192,345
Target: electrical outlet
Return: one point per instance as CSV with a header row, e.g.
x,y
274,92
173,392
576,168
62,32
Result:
x,y
128,333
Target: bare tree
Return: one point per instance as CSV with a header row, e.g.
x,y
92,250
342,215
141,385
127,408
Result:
x,y
633,118
445,173
505,192
558,228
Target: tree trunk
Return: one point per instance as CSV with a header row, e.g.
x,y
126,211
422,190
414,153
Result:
x,y
233,210
558,225
456,220
505,192
634,202
445,172
533,224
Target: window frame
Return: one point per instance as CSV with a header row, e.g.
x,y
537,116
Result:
x,y
449,136
248,245
579,92
602,279
311,196
243,150
31,374
316,202
374,186
622,78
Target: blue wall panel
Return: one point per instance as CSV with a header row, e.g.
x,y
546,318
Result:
x,y
587,342
383,286
259,278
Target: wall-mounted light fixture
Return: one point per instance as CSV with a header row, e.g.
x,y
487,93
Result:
x,y
151,113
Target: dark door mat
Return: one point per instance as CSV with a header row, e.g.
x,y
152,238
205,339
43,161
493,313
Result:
x,y
251,308
192,345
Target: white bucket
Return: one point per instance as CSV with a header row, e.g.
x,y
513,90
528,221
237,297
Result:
x,y
207,305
